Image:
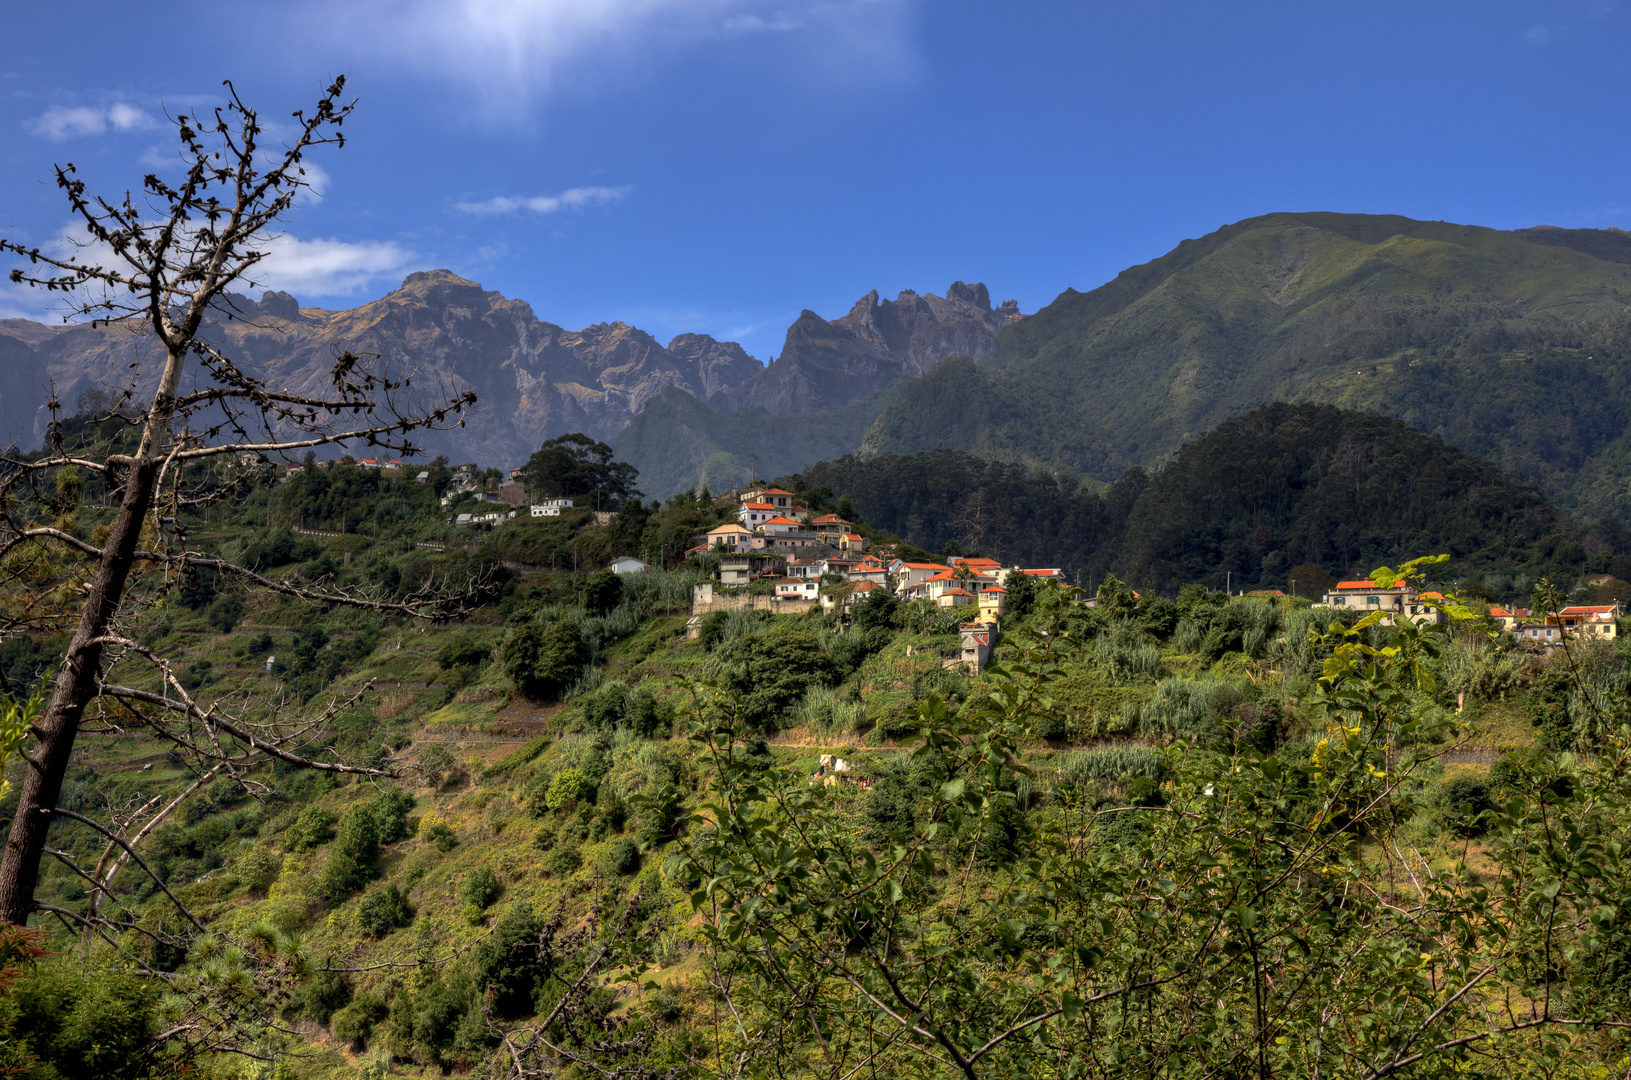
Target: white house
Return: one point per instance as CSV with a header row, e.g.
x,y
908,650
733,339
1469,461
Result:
x,y
753,514
795,589
628,564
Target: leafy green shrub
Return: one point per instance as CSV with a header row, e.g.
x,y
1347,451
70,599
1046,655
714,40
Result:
x,y
440,836
562,861
482,887
773,670
383,910
1465,799
226,613
354,859
569,786
78,1019
544,662
313,828
390,810
507,965
602,592
430,1024
257,868
320,996
621,857
461,652
355,1023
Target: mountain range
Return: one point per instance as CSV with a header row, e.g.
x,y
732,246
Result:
x,y
1509,344
533,379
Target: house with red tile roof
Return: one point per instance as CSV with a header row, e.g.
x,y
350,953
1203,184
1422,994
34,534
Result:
x,y
1597,621
778,524
753,514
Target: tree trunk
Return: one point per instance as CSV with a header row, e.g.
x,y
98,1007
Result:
x,y
56,731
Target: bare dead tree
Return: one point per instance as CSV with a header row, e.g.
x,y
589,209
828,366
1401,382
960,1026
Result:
x,y
162,263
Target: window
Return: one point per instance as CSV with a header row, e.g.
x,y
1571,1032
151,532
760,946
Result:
x,y
1373,600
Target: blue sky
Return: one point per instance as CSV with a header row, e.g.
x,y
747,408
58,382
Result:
x,y
718,165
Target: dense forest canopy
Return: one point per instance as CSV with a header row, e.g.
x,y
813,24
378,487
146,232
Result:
x,y
1282,486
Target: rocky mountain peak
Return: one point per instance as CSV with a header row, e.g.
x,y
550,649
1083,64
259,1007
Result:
x,y
826,365
976,294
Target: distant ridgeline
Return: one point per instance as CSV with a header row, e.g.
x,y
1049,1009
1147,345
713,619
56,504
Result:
x,y
1279,487
1509,344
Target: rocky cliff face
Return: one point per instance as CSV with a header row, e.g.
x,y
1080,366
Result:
x,y
534,380
827,365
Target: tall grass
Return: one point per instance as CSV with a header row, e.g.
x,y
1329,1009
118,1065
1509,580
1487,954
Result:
x,y
661,591
1190,709
1111,763
821,710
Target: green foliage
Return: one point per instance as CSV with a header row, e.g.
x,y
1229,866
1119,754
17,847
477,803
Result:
x,y
1467,799
772,671
320,996
577,467
507,965
1281,486
353,861
440,836
382,910
569,786
390,810
545,662
313,828
437,1024
1194,710
482,887
461,652
622,856
226,613
74,1017
602,592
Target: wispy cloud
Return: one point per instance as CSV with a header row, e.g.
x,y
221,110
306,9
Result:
x,y
67,122
1543,34
329,267
509,51
578,198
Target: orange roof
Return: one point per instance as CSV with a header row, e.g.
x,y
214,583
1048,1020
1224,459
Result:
x,y
779,520
774,491
937,567
790,581
851,536
1432,596
1367,584
944,575
758,506
831,519
1589,609
997,588
1050,572
956,592
865,586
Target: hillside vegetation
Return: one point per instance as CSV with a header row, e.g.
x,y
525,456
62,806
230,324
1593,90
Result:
x,y
1281,487
603,832
1510,345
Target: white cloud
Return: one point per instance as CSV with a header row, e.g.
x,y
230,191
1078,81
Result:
x,y
508,51
65,122
578,198
329,267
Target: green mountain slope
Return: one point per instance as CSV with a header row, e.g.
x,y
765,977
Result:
x,y
1508,344
678,443
1280,487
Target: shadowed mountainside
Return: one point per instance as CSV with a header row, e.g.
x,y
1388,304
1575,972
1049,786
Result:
x,y
1510,345
534,380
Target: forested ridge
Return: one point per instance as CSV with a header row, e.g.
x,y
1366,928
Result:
x,y
1282,486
